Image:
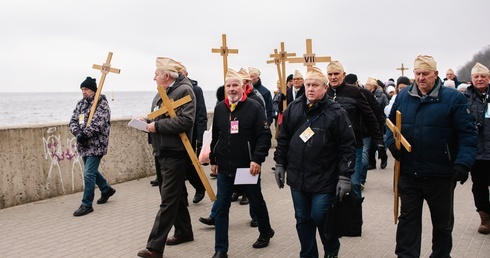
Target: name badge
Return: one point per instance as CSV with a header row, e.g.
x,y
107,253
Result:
x,y
306,134
487,113
234,127
81,118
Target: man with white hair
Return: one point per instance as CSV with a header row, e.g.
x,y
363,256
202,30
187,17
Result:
x,y
437,124
266,93
477,95
241,138
316,148
172,158
298,88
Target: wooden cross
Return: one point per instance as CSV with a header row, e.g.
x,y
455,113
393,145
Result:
x,y
169,106
399,141
281,58
402,69
224,51
310,59
104,69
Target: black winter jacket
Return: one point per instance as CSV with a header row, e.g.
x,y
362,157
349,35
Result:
x,y
315,165
479,107
251,143
354,102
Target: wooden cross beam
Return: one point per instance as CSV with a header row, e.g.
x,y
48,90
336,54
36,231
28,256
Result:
x,y
310,59
402,69
281,58
169,108
163,110
399,142
104,69
224,51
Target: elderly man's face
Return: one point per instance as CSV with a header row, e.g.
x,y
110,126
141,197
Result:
x,y
234,89
425,79
450,75
335,78
161,78
480,81
86,92
297,82
255,78
315,90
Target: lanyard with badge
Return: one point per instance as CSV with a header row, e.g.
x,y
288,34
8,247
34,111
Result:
x,y
486,104
234,122
308,132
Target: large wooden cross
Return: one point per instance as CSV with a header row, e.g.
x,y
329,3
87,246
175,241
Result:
x,y
169,106
399,141
224,51
310,59
104,69
402,69
279,59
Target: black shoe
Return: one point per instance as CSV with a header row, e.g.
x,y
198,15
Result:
x,y
198,196
83,210
220,255
105,196
154,182
234,197
244,200
254,223
213,175
384,163
208,221
263,241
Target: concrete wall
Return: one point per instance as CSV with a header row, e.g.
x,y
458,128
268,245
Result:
x,y
39,162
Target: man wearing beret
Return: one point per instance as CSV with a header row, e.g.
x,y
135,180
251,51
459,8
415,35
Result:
x,y
172,157
92,144
437,123
241,138
360,114
298,88
477,95
315,147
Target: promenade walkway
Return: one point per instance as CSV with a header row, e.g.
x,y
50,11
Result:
x,y
120,227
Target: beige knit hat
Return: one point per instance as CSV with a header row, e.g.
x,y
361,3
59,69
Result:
x,y
425,62
316,73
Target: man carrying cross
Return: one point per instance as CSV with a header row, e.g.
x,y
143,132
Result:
x,y
437,124
92,144
172,158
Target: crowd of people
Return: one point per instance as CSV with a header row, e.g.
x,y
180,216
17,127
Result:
x,y
330,132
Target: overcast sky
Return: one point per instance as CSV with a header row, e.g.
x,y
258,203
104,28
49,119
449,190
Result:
x,y
51,45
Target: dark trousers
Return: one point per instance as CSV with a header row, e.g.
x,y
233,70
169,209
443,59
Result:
x,y
194,179
223,202
480,175
438,192
173,206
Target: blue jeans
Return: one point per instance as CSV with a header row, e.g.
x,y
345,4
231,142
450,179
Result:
x,y
355,179
223,202
215,208
365,158
92,177
310,210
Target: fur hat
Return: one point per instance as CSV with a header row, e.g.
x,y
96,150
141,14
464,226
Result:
x,y
89,83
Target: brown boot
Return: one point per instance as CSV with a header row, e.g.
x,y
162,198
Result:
x,y
484,227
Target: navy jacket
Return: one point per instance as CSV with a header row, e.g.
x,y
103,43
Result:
x,y
440,129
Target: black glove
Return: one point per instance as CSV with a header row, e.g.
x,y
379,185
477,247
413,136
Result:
x,y
280,175
460,173
395,152
82,138
343,187
382,152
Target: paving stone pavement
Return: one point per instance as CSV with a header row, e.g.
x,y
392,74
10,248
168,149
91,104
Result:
x,y
120,227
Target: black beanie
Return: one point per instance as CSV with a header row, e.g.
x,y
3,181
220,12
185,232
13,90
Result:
x,y
290,78
89,83
402,79
350,78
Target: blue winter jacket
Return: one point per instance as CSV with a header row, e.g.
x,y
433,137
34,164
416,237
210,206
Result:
x,y
440,129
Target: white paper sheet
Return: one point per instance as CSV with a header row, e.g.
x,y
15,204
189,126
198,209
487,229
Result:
x,y
138,124
243,177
